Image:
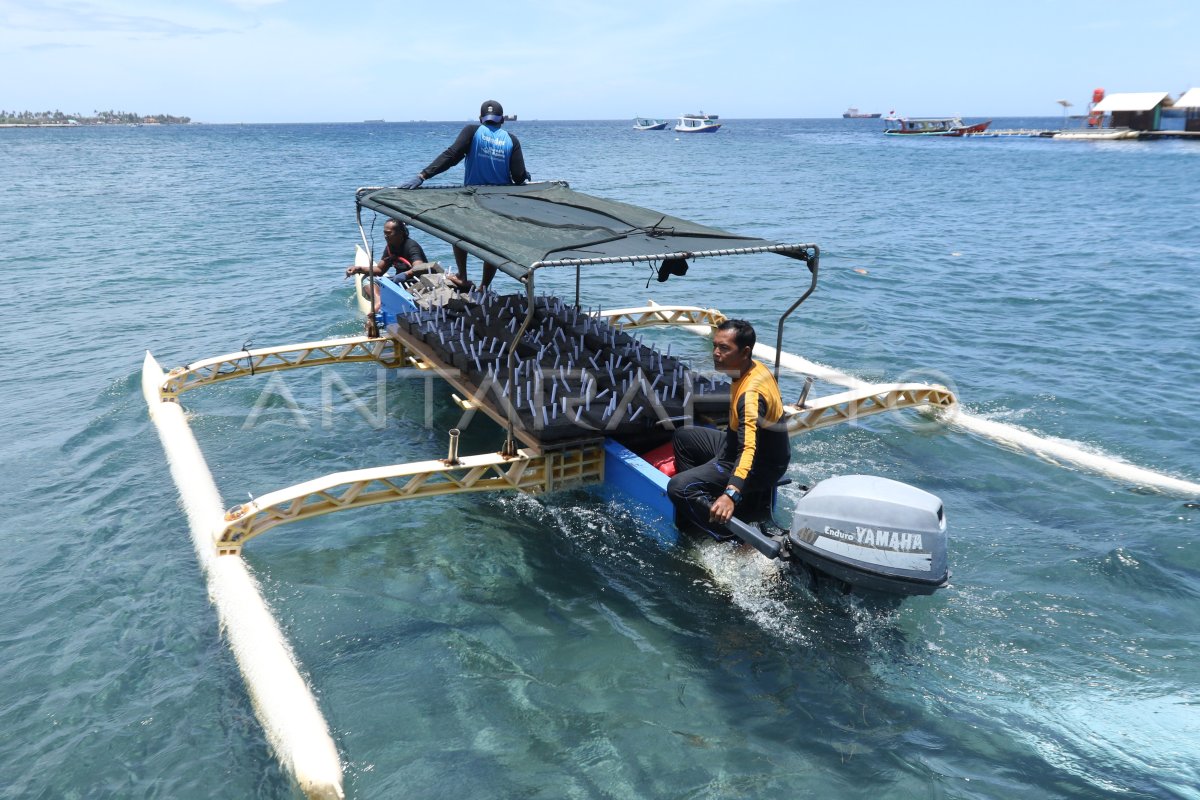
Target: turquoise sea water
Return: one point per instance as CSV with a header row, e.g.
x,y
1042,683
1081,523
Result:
x,y
488,646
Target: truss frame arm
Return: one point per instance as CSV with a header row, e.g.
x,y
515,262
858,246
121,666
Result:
x,y
346,350
527,471
855,404
651,315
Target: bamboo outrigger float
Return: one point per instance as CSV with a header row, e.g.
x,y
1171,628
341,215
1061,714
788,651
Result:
x,y
579,398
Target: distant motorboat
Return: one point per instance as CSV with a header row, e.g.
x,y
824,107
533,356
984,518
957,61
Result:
x,y
647,124
698,123
853,113
932,126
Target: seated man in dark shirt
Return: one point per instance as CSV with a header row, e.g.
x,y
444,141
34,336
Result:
x,y
402,252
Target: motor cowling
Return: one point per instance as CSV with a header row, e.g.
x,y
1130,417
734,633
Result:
x,y
873,533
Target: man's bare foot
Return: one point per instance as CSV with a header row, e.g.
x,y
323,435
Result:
x,y
459,283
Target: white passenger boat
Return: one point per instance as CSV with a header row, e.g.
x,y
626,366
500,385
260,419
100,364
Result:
x,y
698,123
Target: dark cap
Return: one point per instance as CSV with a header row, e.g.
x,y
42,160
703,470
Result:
x,y
491,111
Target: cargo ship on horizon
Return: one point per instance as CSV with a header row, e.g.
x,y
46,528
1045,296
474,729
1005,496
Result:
x,y
853,113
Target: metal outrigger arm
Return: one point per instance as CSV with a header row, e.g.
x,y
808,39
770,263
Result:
x,y
525,472
655,315
859,403
353,349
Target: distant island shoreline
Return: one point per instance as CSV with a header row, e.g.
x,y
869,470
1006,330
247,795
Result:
x,y
57,119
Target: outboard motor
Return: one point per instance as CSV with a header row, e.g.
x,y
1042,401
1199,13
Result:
x,y
873,533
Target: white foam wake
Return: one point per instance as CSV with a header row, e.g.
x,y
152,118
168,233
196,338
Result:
x,y
294,725
1055,449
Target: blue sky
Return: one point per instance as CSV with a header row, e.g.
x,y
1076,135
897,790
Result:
x,y
310,61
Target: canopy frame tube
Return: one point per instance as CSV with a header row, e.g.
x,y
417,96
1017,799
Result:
x,y
814,265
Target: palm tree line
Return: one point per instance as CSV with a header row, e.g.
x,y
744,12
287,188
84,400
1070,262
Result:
x,y
110,117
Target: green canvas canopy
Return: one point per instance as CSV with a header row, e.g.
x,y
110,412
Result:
x,y
523,228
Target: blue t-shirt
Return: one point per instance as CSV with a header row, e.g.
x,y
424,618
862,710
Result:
x,y
487,160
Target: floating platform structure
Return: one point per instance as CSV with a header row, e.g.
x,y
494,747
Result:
x,y
1122,116
1086,134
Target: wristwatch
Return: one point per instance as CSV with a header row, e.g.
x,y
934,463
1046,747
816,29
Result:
x,y
733,494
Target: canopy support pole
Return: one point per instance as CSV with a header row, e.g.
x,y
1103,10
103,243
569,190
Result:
x,y
510,443
814,265
369,275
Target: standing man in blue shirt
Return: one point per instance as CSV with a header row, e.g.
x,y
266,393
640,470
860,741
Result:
x,y
493,158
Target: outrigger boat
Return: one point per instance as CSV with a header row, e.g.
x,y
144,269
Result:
x,y
932,126
582,402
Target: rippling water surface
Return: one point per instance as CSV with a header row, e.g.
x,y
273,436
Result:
x,y
490,646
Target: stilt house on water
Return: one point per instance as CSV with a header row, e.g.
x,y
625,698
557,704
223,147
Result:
x,y
1137,111
1189,105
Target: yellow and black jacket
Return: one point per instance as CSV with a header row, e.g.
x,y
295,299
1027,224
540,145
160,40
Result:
x,y
757,441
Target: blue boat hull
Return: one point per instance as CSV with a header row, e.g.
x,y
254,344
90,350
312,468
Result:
x,y
629,477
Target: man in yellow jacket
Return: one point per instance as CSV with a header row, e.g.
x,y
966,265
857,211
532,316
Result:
x,y
749,457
